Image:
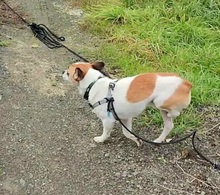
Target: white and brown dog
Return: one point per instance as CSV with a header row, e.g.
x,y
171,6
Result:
x,y
166,91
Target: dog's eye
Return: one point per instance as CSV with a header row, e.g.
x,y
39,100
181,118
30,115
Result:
x,y
68,74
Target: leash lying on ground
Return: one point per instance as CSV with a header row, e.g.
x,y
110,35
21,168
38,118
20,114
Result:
x,y
45,35
52,41
193,134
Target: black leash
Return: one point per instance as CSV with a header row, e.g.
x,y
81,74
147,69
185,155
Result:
x,y
214,164
192,134
45,35
52,41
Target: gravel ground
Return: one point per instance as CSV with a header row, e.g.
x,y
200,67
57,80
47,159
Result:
x,y
47,129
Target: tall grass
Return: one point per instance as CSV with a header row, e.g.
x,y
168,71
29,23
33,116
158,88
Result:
x,y
150,35
167,35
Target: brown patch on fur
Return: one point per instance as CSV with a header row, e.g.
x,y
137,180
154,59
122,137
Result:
x,y
180,97
141,87
84,67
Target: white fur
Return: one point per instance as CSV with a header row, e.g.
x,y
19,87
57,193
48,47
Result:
x,y
165,87
65,76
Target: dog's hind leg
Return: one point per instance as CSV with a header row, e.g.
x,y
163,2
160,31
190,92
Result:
x,y
168,126
107,128
128,124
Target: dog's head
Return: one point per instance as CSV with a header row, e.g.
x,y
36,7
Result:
x,y
77,71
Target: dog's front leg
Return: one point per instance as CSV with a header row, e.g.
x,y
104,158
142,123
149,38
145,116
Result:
x,y
107,128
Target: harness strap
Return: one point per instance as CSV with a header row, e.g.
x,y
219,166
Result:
x,y
107,99
103,101
110,109
86,95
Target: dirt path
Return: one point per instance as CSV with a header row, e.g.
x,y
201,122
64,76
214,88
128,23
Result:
x,y
46,128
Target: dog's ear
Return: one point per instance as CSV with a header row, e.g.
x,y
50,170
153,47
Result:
x,y
78,75
98,65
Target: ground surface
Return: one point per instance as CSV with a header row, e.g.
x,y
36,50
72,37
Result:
x,y
46,128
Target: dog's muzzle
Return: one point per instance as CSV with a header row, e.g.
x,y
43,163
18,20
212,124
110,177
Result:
x,y
65,75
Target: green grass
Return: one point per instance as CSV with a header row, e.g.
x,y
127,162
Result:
x,y
167,35
87,3
3,43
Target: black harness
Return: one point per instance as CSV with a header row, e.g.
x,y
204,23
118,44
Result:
x,y
108,99
86,95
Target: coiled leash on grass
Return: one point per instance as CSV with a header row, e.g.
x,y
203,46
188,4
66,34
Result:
x,y
52,41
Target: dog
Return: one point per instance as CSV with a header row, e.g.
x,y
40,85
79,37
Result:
x,y
167,92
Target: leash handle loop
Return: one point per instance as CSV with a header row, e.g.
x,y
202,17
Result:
x,y
61,38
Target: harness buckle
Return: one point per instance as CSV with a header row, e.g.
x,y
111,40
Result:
x,y
111,86
107,99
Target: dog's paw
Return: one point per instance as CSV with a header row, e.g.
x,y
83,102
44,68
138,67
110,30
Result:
x,y
158,140
98,139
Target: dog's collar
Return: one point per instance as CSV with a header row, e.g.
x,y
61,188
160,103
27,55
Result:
x,y
86,94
